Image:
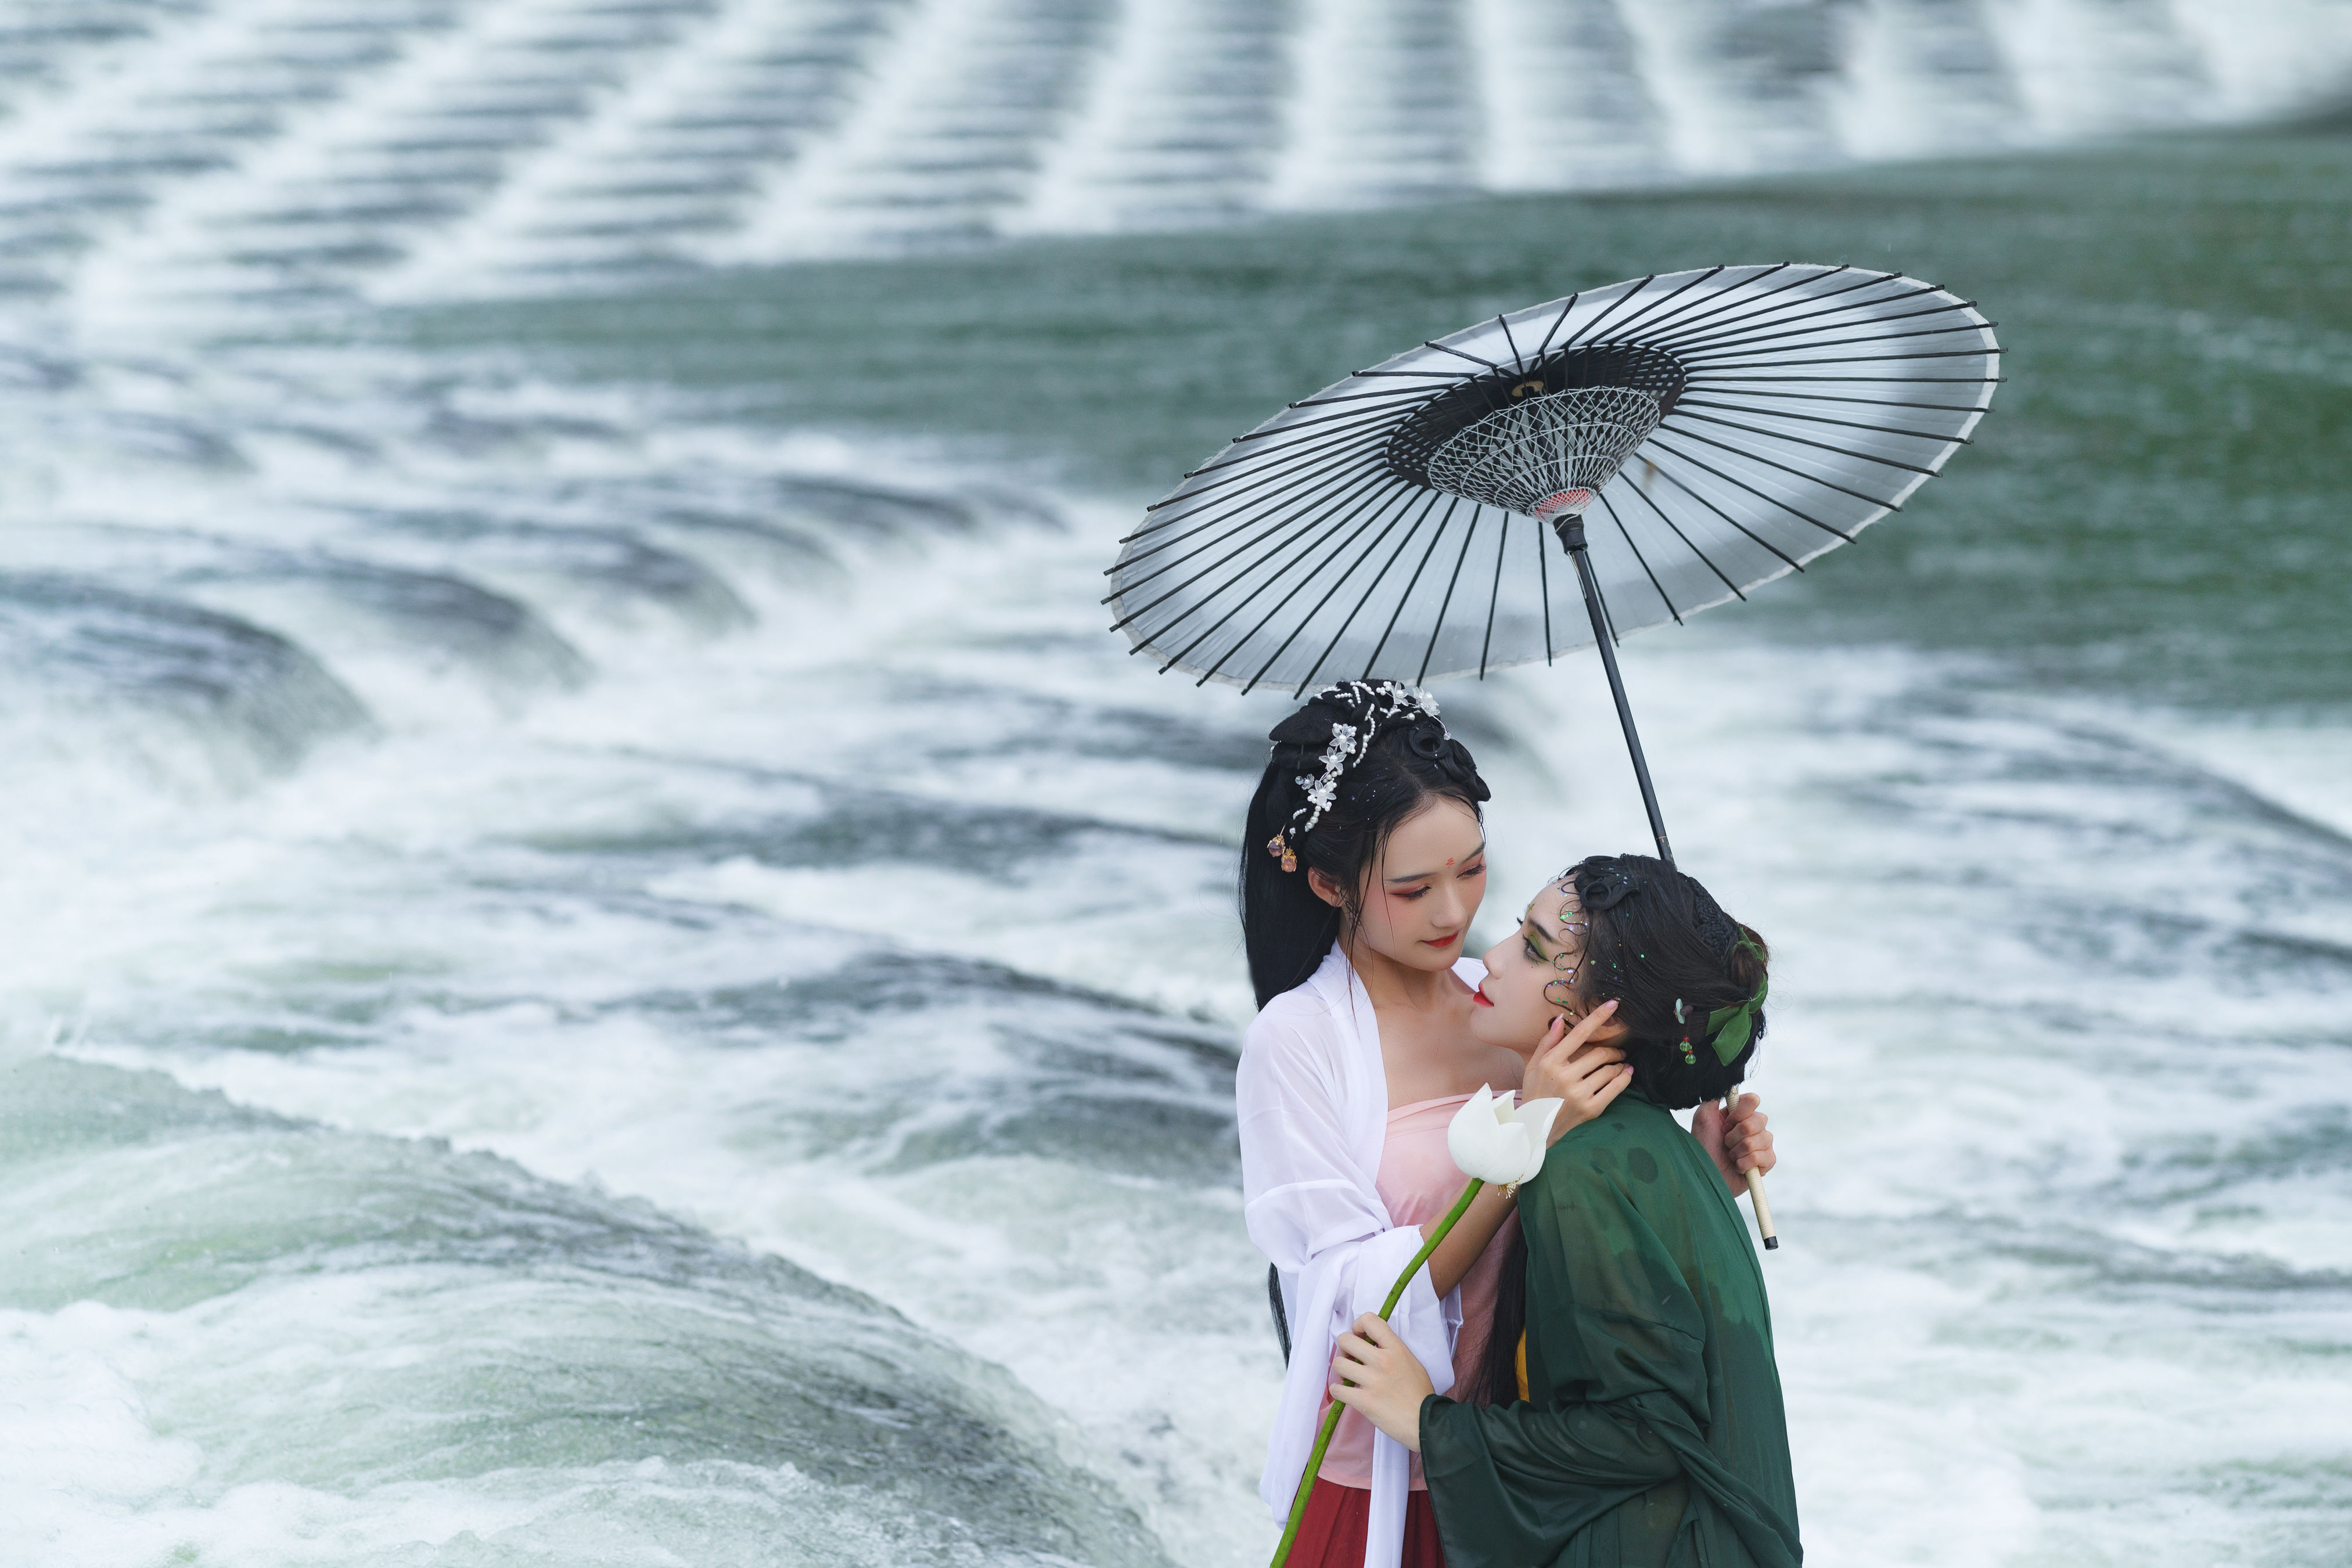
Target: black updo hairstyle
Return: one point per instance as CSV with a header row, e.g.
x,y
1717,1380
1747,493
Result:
x,y
1652,937
1286,928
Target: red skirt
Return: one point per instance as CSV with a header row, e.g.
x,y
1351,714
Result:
x,y
1332,1533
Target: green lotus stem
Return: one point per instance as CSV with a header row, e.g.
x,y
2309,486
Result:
x,y
1332,1418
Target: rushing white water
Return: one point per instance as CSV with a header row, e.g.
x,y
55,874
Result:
x,y
584,981
668,812
413,149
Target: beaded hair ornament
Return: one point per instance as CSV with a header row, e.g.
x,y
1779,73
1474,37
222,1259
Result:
x,y
1375,704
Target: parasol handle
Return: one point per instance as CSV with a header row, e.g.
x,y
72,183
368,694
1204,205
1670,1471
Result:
x,y
1571,539
1763,1213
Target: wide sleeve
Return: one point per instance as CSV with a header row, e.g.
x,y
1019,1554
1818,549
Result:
x,y
1616,1375
1311,1204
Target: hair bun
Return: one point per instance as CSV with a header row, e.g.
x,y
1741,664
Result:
x,y
1714,928
1456,763
1604,887
1429,743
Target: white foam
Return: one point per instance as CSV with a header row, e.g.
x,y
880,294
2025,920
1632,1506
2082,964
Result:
x,y
262,153
2033,1099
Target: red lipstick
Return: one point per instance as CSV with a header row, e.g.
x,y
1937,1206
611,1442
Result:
x,y
1480,997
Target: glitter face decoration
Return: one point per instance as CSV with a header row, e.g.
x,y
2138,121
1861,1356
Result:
x,y
1564,998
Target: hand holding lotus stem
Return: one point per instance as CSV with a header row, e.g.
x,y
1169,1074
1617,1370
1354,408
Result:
x,y
1491,1140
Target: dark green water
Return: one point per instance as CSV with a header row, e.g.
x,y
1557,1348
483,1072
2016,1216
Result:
x,y
2157,508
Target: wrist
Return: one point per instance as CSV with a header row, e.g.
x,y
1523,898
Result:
x,y
1432,1409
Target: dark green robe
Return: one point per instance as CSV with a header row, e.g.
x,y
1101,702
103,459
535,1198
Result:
x,y
1653,1435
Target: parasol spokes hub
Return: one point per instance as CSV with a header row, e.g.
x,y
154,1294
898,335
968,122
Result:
x,y
1546,456
1562,504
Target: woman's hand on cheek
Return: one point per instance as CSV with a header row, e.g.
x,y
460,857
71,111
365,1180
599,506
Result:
x,y
1584,1077
1390,1382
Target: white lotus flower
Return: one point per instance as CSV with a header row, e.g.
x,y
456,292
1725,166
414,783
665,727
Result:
x,y
1494,1140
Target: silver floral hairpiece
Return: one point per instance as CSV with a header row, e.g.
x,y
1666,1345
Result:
x,y
1380,702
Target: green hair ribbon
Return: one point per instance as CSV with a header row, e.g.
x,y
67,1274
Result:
x,y
1729,1029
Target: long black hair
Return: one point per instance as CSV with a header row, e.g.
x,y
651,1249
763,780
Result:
x,y
1395,757
1658,944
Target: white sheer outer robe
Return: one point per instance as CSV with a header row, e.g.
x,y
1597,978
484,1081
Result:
x,y
1314,1109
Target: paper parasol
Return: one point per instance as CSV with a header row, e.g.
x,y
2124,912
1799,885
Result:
x,y
1734,423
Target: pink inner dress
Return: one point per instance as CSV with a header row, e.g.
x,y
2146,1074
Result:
x,y
1419,1182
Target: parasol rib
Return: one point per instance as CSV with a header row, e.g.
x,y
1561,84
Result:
x,y
1763,496
1643,560
1240,518
1406,598
1303,529
1305,541
1234,508
1688,544
1459,354
1760,458
1731,299
1630,322
1339,456
1558,322
1854,359
1583,333
1704,360
1543,588
1774,317
1517,363
1771,315
1689,403
1398,394
1494,598
1430,652
1344,414
1309,618
1661,332
1863,380
1682,412
1730,338
1258,454
1675,479
1372,588
1373,432
1299,587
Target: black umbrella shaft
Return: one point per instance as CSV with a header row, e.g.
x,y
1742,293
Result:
x,y
1571,539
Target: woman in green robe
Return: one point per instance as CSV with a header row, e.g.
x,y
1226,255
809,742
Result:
x,y
1640,1422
